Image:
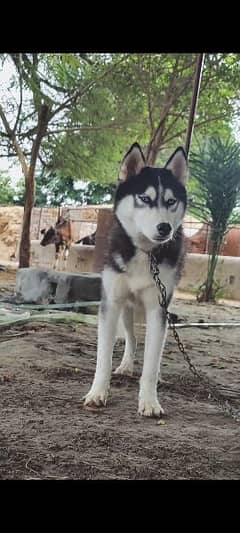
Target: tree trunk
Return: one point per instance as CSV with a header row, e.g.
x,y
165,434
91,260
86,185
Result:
x,y
153,148
152,156
24,249
155,143
207,291
25,242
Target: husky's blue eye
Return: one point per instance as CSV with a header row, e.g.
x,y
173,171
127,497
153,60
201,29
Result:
x,y
171,201
146,199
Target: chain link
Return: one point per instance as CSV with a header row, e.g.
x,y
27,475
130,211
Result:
x,y
213,393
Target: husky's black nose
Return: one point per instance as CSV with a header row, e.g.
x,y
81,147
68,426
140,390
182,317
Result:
x,y
164,229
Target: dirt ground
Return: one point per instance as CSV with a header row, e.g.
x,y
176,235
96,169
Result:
x,y
45,433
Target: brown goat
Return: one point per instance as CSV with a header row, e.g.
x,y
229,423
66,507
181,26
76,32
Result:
x,y
61,236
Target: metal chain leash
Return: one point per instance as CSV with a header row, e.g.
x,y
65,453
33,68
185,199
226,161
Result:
x,y
213,393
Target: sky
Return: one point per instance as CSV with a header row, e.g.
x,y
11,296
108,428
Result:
x,y
14,172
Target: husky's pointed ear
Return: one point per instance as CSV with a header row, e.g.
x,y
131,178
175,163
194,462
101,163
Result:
x,y
132,163
177,163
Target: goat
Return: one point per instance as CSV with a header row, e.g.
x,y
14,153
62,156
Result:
x,y
61,236
89,239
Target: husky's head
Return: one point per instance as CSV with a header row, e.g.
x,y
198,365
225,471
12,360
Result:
x,y
150,202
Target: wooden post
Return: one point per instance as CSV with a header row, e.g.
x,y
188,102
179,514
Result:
x,y
196,88
104,222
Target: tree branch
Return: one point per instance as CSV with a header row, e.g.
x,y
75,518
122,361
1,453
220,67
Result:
x,y
13,154
21,96
41,129
12,138
176,118
44,164
86,58
53,86
85,128
170,100
197,125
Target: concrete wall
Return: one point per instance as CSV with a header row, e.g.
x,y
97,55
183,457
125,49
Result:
x,y
82,258
83,218
227,274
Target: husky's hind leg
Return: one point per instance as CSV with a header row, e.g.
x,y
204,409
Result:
x,y
126,366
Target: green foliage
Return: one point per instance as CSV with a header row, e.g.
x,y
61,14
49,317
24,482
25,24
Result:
x,y
215,196
97,193
142,94
7,192
215,181
101,103
56,190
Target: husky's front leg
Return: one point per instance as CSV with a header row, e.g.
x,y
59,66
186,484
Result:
x,y
107,326
154,344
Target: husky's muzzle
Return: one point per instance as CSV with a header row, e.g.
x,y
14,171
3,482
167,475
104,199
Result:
x,y
165,232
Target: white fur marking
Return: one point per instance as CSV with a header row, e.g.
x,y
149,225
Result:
x,y
151,192
168,195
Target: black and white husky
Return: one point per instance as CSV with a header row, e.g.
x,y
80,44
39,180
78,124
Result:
x,y
148,212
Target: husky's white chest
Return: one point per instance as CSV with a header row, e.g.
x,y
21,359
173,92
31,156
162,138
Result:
x,y
139,276
136,279
138,272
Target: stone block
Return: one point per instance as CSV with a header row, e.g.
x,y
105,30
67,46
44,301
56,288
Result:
x,y
43,286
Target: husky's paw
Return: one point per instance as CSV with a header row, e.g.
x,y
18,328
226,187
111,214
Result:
x,y
125,369
95,399
148,408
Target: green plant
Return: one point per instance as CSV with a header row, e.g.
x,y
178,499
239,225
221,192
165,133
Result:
x,y
215,191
